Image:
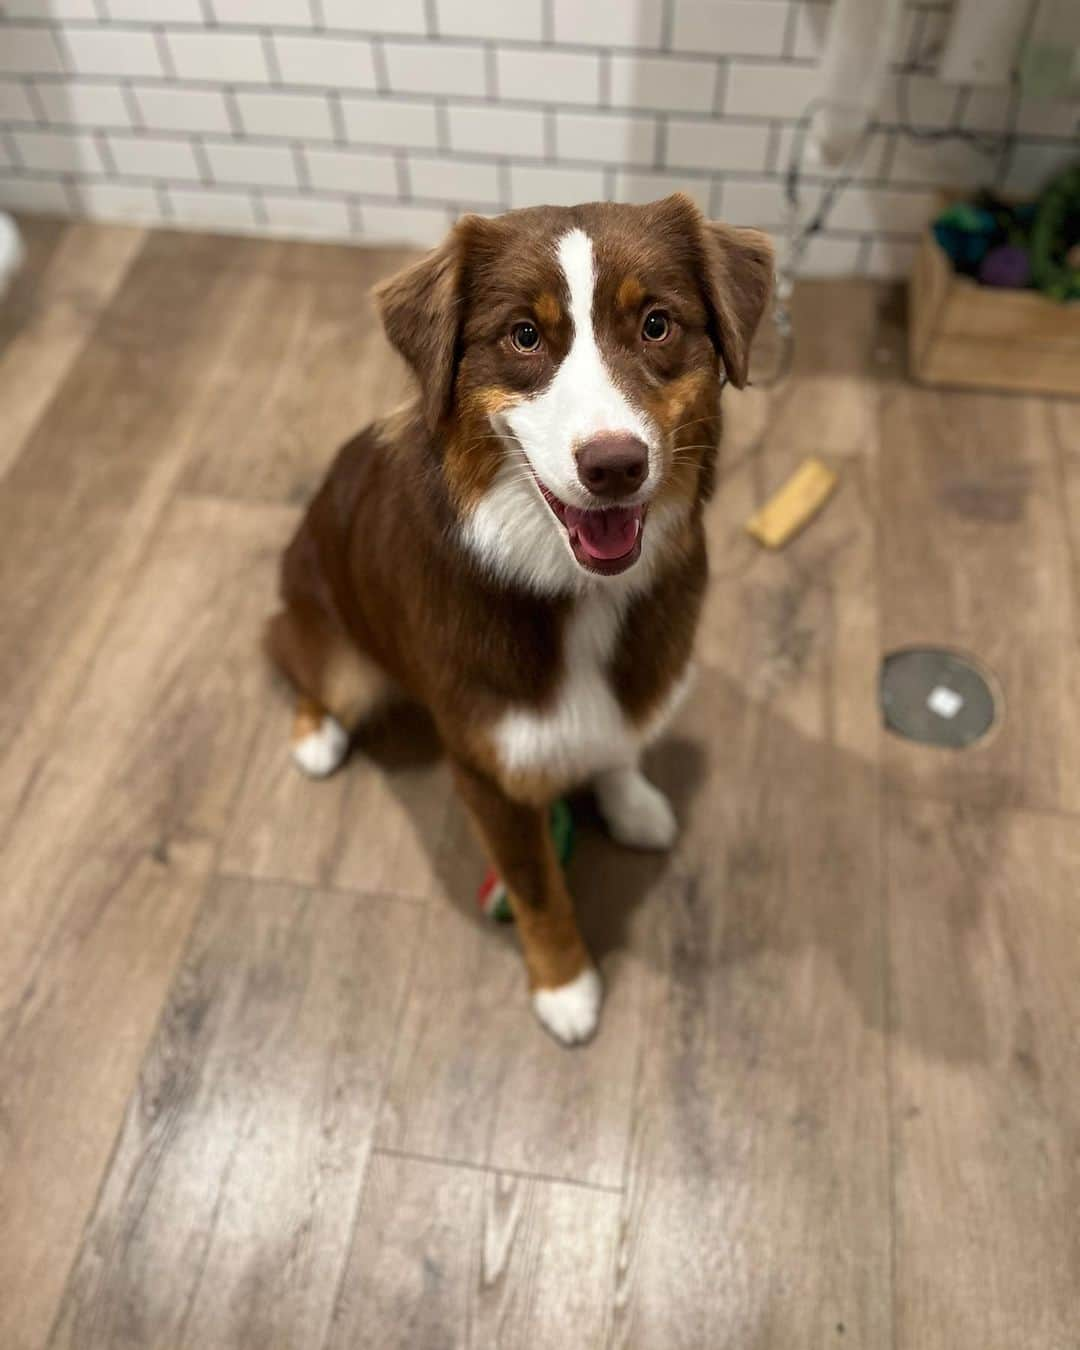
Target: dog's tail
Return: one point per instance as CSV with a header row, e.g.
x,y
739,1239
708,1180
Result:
x,y
11,251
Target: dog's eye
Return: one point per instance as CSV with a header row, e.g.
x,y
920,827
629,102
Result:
x,y
525,337
656,327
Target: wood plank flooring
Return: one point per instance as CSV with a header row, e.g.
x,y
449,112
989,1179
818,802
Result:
x,y
265,1078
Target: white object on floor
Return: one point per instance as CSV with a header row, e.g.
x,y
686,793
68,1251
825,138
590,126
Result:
x,y
11,251
321,752
944,701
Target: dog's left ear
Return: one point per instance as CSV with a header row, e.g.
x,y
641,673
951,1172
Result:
x,y
739,281
421,310
736,277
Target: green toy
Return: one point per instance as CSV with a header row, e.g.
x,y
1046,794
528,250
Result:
x,y
492,896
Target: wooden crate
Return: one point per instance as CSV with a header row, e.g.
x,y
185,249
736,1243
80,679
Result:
x,y
961,333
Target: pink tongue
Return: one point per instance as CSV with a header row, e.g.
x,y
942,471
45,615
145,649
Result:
x,y
605,534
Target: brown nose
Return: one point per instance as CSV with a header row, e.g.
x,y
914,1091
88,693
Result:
x,y
613,464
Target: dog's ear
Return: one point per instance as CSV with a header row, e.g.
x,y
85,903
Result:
x,y
739,281
736,268
421,310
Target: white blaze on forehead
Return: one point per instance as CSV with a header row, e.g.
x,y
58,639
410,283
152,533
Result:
x,y
582,399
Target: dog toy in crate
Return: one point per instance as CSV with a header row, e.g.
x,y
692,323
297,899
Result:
x,y
492,896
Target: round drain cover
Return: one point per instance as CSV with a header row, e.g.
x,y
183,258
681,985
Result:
x,y
935,696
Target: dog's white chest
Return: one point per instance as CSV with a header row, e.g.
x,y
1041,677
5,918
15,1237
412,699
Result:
x,y
584,730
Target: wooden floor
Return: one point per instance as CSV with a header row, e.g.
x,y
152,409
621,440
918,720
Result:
x,y
265,1078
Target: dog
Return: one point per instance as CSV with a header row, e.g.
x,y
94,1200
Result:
x,y
521,549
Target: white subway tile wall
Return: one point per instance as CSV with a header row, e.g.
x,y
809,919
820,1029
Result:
x,y
367,120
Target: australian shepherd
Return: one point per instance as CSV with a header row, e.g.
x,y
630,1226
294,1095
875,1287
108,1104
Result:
x,y
521,549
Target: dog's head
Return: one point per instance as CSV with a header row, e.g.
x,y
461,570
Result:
x,y
570,361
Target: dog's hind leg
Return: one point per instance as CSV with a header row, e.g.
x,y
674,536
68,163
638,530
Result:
x,y
637,813
337,686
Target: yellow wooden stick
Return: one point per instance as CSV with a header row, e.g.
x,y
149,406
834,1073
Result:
x,y
797,502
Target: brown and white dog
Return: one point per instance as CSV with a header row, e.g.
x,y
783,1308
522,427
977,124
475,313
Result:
x,y
522,549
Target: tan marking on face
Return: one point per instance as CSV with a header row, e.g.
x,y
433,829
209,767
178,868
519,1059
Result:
x,y
676,399
548,310
474,453
630,293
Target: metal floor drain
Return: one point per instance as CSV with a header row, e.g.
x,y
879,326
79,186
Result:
x,y
937,697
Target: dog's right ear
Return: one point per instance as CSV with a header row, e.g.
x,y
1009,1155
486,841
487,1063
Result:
x,y
421,310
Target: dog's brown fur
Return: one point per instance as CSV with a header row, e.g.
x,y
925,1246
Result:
x,y
376,585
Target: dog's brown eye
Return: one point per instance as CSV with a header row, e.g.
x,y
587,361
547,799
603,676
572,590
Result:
x,y
656,327
525,337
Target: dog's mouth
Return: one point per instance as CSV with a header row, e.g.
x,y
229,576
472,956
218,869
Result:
x,y
606,540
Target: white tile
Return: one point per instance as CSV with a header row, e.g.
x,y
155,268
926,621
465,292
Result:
x,y
536,185
891,259
155,157
375,16
424,225
295,116
641,187
311,217
667,83
59,151
535,75
609,23
117,201
881,210
384,121
754,202
329,62
830,257
1033,166
715,144
1045,117
268,13
155,11
987,110
14,104
494,130
522,20
28,51
33,194
78,103
607,138
454,180
232,58
939,163
209,207
435,68
731,28
769,89
105,51
811,30
173,109
50,9
254,165
352,171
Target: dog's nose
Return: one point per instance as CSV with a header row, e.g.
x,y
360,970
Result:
x,y
613,464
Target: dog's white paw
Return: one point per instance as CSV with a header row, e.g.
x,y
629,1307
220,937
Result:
x,y
571,1011
320,752
637,814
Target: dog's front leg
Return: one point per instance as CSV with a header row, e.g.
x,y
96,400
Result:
x,y
566,989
